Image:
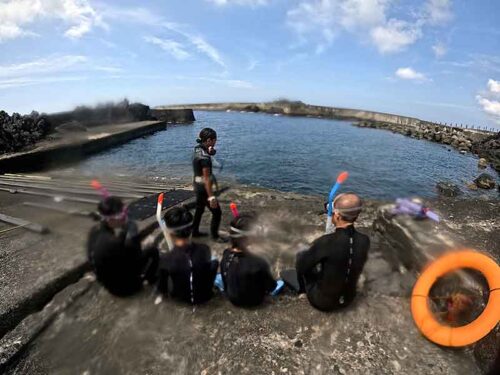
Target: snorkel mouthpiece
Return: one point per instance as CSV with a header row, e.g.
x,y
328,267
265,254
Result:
x,y
234,210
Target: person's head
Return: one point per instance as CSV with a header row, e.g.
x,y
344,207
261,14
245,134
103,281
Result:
x,y
346,209
207,137
179,222
113,211
241,229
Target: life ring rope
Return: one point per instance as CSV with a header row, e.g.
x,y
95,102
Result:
x,y
475,330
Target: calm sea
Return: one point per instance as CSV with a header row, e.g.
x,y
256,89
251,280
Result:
x,y
294,154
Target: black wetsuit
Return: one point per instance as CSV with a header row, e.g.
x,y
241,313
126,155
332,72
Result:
x,y
247,278
117,259
201,159
330,269
188,273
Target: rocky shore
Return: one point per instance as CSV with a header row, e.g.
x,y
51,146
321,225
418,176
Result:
x,y
486,146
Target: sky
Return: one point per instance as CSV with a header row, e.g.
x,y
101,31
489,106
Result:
x,y
437,60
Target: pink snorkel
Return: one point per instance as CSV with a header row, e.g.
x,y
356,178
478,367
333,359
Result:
x,y
234,209
105,194
101,189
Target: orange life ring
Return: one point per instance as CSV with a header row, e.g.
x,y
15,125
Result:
x,y
469,333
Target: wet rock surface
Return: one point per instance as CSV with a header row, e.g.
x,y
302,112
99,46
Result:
x,y
104,334
489,149
448,189
485,181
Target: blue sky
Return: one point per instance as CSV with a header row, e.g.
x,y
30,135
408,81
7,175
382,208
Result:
x,y
434,59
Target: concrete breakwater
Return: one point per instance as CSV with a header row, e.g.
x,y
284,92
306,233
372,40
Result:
x,y
297,108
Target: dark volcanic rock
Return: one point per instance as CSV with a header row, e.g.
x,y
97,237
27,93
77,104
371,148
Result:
x,y
106,113
448,189
490,150
252,108
485,181
18,132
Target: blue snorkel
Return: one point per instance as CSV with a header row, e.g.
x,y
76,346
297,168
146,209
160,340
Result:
x,y
340,179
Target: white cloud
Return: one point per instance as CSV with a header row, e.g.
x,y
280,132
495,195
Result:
x,y
239,2
494,86
410,74
485,63
491,107
395,36
235,83
438,11
439,50
146,17
16,15
328,17
55,68
325,19
252,64
203,46
171,46
46,65
27,81
489,102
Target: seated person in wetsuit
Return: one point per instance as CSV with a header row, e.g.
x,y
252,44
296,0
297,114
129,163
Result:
x,y
115,253
187,272
328,272
247,278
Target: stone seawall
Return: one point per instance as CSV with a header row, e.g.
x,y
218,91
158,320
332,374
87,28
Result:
x,y
485,145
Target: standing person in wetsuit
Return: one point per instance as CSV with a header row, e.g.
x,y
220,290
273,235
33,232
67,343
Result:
x,y
203,184
247,278
115,254
328,272
187,272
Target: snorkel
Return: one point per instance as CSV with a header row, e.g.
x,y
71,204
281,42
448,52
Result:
x,y
101,189
161,222
119,216
234,210
340,180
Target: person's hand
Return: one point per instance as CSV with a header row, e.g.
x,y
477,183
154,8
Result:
x,y
212,201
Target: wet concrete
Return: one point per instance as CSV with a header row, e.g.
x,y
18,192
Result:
x,y
34,266
101,334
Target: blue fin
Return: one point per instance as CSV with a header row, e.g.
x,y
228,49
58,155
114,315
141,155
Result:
x,y
219,284
279,287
